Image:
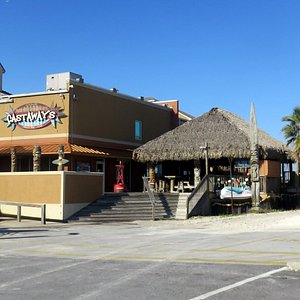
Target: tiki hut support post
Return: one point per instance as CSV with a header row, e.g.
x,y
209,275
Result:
x,y
283,174
197,172
151,176
13,160
254,159
231,182
36,158
206,158
297,177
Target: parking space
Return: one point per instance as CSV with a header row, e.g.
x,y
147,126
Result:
x,y
145,261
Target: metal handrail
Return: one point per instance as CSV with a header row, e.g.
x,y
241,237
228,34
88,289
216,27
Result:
x,y
151,196
19,206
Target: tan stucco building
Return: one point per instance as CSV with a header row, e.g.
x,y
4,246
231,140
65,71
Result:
x,y
98,128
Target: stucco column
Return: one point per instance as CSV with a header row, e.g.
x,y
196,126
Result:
x,y
13,160
36,158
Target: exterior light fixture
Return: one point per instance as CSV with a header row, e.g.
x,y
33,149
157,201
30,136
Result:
x,y
74,97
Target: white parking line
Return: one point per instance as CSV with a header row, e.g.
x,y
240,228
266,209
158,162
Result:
x,y
231,286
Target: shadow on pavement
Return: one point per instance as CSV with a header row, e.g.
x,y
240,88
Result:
x,y
6,233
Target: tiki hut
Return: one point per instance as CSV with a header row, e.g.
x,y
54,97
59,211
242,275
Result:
x,y
228,139
226,134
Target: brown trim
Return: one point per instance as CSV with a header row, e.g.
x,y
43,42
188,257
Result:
x,y
108,145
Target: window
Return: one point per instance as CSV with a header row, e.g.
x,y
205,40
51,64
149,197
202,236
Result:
x,y
138,130
83,166
100,165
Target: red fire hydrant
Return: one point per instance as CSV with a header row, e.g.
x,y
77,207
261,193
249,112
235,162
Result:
x,y
120,185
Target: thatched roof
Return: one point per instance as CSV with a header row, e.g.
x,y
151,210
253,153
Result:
x,y
226,134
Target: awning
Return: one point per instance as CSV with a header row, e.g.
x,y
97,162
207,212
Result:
x,y
87,150
53,149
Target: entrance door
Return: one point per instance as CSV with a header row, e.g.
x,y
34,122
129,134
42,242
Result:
x,y
100,167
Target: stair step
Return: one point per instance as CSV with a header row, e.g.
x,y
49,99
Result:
x,y
118,218
123,214
124,207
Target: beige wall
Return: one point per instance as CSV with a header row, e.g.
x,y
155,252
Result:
x,y
112,117
25,136
30,187
95,115
82,187
64,193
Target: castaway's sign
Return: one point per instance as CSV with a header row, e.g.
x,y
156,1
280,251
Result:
x,y
33,116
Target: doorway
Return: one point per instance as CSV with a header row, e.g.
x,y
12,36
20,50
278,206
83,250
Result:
x,y
100,168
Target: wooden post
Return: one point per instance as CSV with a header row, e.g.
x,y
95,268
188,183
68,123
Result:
x,y
13,160
197,171
231,191
297,183
61,152
152,176
254,160
43,214
36,158
206,159
19,212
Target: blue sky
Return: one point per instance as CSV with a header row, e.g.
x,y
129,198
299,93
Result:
x,y
206,53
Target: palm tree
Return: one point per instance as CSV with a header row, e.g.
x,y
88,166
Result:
x,y
291,133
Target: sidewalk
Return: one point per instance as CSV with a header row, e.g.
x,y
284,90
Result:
x,y
251,222
12,222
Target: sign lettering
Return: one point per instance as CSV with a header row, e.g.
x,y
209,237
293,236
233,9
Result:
x,y
33,116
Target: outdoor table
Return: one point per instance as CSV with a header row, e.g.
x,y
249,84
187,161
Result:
x,y
172,179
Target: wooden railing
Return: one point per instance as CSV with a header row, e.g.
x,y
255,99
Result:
x,y
151,195
19,209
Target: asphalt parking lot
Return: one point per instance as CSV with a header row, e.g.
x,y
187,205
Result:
x,y
146,261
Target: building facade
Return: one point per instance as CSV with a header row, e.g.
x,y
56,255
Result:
x,y
95,128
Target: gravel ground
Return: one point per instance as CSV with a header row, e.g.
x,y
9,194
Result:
x,y
279,220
